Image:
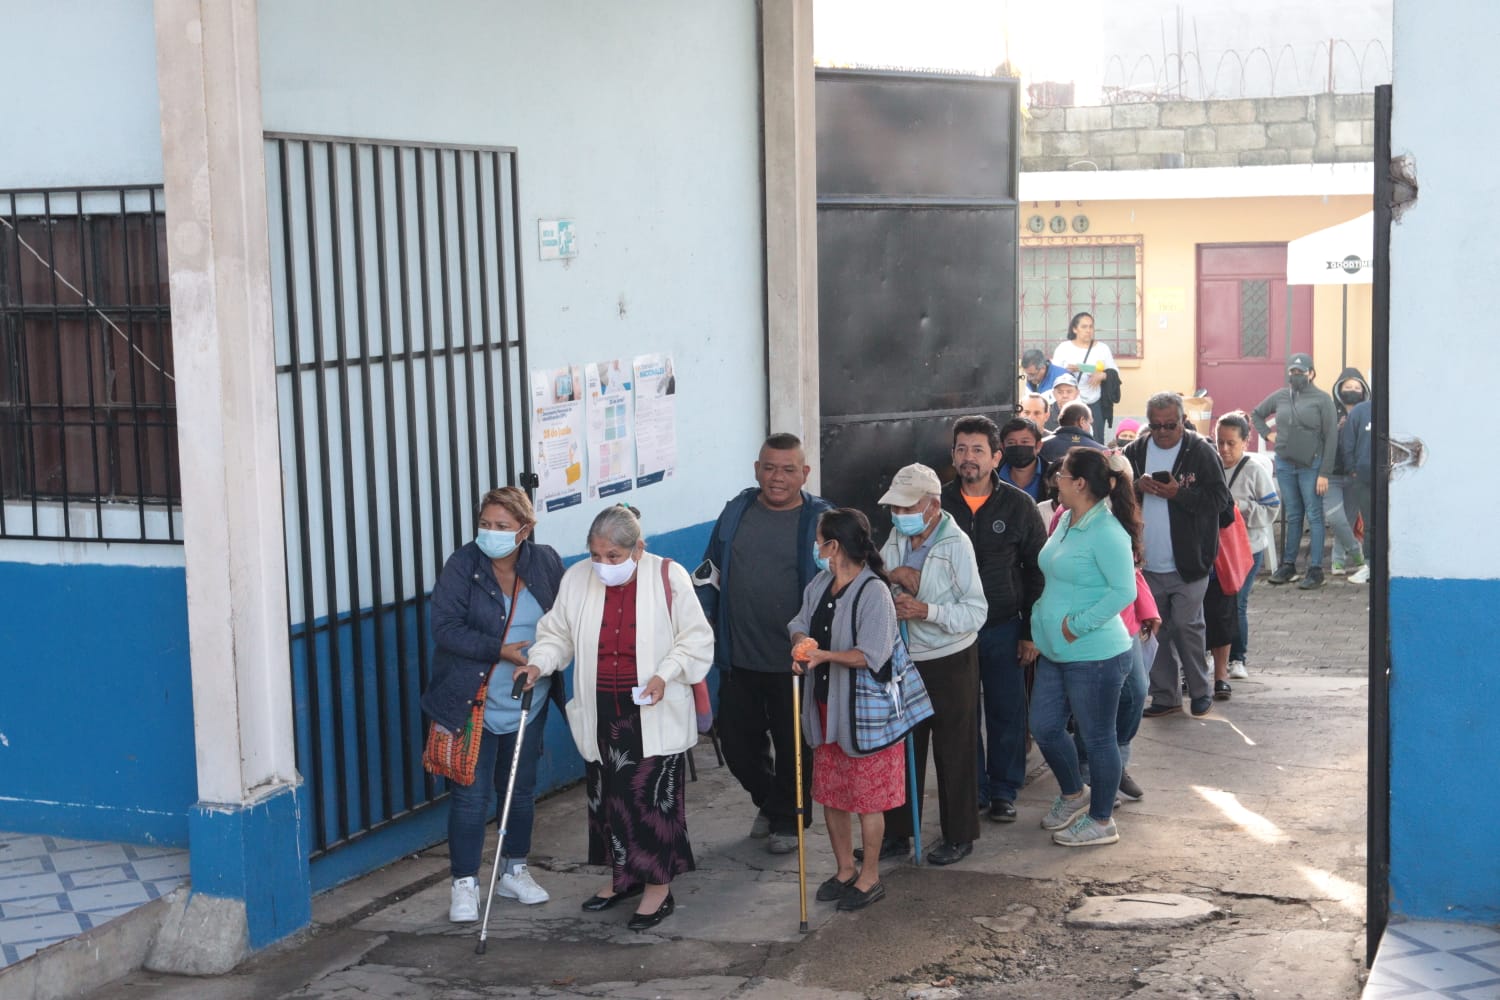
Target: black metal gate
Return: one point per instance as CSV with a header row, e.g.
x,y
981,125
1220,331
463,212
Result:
x,y
917,265
400,361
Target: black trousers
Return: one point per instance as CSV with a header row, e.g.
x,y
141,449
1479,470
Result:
x,y
756,730
953,685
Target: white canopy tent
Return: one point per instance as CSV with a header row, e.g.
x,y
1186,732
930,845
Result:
x,y
1338,255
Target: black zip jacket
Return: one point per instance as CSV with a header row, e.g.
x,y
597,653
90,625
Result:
x,y
1202,494
1008,534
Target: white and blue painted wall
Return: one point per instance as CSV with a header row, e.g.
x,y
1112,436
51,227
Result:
x,y
1444,551
96,725
639,122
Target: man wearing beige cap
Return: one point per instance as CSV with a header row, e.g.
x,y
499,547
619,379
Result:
x,y
941,599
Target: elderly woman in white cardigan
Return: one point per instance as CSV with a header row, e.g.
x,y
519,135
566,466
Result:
x,y
637,650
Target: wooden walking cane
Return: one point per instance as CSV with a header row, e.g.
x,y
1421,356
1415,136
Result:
x,y
801,805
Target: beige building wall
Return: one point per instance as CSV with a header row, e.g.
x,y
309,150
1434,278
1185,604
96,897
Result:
x,y
1171,232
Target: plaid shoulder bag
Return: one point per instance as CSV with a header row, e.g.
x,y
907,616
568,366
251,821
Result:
x,y
884,704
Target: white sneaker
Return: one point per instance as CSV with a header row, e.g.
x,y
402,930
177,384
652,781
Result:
x,y
1237,670
1361,575
520,885
463,904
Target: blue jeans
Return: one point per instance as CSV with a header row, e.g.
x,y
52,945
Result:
x,y
1298,486
470,809
1338,509
1090,691
1002,755
1128,719
1241,644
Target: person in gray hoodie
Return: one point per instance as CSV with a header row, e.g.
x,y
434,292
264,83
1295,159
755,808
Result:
x,y
1306,439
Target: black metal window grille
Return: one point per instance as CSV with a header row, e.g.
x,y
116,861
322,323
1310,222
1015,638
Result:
x,y
400,361
88,421
1255,318
1067,275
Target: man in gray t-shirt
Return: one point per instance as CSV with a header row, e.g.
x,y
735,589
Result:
x,y
766,599
762,551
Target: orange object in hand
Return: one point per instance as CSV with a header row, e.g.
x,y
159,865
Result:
x,y
802,652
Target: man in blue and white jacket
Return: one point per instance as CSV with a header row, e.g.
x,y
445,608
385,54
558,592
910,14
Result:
x,y
940,598
758,561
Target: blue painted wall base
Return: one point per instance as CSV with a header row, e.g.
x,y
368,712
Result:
x,y
96,714
1445,700
256,853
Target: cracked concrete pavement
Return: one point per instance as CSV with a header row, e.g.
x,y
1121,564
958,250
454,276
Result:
x,y
1257,809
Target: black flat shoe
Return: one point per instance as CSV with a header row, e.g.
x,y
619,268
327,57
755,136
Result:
x,y
833,890
1155,711
890,847
646,921
854,899
598,904
947,854
1222,691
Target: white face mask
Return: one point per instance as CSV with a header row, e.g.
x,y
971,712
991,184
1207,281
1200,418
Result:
x,y
614,574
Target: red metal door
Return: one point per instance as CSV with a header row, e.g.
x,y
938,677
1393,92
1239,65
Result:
x,y
1242,316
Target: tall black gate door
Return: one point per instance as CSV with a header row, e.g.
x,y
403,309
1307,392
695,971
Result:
x,y
917,287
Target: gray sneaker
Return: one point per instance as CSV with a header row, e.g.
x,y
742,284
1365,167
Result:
x,y
1087,832
781,843
761,828
1313,580
1065,811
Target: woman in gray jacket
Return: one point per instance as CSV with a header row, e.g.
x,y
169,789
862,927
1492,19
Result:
x,y
846,781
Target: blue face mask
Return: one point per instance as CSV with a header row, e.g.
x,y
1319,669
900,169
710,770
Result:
x,y
496,544
909,524
818,560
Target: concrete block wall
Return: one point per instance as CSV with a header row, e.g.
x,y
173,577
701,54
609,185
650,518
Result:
x,y
1325,128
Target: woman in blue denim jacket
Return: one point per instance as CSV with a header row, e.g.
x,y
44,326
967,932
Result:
x,y
1089,565
502,575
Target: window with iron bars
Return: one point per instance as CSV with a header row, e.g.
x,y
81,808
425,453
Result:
x,y
88,427
1064,276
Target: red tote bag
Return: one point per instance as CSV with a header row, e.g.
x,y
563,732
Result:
x,y
1234,560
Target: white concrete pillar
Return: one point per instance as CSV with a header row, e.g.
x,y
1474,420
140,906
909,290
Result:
x,y
244,831
791,221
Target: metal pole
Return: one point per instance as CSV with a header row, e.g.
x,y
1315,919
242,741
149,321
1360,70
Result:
x,y
1378,811
1344,336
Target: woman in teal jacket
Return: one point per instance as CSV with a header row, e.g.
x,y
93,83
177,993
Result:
x,y
1089,565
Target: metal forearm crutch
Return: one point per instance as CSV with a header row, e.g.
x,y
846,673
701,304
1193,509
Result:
x,y
523,693
801,805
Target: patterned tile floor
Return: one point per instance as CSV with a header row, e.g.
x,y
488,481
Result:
x,y
1427,961
52,889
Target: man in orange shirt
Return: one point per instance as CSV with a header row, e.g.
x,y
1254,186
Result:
x,y
1008,533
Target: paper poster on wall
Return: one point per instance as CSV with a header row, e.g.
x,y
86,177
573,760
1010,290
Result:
x,y
655,419
557,421
611,439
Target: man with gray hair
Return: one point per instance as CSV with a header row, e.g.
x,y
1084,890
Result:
x,y
1183,495
1040,372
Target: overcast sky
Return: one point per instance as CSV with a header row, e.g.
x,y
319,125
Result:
x,y
1229,48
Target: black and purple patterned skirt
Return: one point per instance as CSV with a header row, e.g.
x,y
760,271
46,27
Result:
x,y
637,805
